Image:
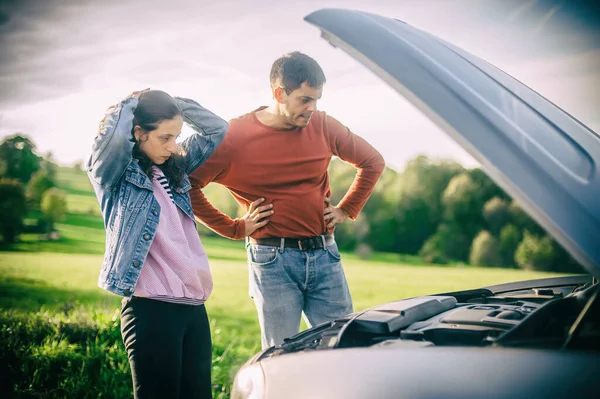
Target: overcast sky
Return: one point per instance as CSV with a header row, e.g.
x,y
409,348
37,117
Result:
x,y
62,63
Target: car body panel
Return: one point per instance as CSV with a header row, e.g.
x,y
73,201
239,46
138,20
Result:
x,y
545,159
429,373
541,156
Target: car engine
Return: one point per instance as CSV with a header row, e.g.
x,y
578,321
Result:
x,y
546,317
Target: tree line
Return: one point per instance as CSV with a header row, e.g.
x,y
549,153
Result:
x,y
28,190
434,208
441,211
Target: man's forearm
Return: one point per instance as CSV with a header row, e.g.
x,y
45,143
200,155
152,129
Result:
x,y
362,187
214,219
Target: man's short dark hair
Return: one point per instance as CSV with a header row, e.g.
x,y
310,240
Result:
x,y
295,68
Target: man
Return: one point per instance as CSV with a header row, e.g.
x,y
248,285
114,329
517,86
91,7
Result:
x,y
274,161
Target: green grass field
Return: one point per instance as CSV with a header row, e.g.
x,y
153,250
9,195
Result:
x,y
60,332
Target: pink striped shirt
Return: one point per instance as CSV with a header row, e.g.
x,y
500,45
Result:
x,y
176,269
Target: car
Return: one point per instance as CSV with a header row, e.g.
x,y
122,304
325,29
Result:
x,y
529,339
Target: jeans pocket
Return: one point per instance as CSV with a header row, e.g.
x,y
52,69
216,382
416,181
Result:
x,y
261,255
334,253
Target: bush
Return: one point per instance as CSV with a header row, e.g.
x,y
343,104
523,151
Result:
x,y
39,183
510,237
433,251
496,214
18,159
13,209
535,253
523,221
485,250
448,243
435,258
54,206
78,355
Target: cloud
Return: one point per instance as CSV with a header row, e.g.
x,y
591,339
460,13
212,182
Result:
x,y
50,51
62,62
52,48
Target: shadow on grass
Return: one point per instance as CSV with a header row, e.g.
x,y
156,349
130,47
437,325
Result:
x,y
62,245
31,295
85,220
81,246
77,191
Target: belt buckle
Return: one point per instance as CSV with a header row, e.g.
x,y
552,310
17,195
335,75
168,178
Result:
x,y
308,243
305,244
314,244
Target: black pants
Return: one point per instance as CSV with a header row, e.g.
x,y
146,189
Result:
x,y
169,349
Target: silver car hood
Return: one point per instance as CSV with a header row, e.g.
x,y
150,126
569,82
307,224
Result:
x,y
540,155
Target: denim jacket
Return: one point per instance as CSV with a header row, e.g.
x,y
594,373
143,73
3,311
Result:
x,y
125,192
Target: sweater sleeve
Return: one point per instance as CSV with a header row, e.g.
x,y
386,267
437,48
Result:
x,y
365,158
214,169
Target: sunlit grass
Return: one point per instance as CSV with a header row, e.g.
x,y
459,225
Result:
x,y
61,332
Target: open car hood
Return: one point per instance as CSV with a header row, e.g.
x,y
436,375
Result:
x,y
540,155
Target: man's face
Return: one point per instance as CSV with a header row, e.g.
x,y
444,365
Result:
x,y
299,105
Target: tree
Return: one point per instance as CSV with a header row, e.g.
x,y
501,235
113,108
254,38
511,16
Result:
x,y
510,237
378,217
341,176
535,253
487,187
523,221
448,243
462,211
49,165
13,209
463,201
54,206
419,209
39,183
363,249
496,214
78,165
485,250
414,224
564,262
379,231
462,204
18,159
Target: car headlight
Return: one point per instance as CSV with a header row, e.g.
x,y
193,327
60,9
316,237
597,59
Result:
x,y
249,383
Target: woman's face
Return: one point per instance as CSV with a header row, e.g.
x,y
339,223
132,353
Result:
x,y
159,144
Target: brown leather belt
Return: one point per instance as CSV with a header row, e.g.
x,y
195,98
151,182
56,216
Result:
x,y
303,244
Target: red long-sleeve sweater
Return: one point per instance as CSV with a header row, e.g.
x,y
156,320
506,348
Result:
x,y
289,169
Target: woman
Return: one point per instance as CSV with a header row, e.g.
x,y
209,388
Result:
x,y
154,257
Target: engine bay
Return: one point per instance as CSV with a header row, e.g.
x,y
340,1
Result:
x,y
439,321
525,317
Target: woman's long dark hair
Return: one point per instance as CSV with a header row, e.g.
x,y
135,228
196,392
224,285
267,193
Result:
x,y
155,106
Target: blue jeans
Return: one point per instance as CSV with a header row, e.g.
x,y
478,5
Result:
x,y
285,282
